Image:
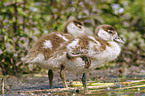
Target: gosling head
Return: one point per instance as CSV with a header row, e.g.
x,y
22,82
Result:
x,y
74,27
108,33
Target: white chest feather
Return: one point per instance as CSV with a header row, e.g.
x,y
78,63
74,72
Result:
x,y
110,53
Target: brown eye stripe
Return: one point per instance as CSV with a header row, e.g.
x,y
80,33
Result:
x,y
110,31
108,27
78,24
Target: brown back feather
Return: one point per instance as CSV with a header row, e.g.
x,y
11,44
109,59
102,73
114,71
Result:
x,y
47,52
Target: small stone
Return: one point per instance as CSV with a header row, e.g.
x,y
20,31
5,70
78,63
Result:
x,y
77,90
108,88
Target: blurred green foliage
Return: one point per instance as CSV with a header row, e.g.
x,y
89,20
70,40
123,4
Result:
x,y
22,22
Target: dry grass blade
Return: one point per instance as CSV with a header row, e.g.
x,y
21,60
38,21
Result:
x,y
3,86
48,90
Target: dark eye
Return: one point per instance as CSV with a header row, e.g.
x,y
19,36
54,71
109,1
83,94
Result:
x,y
110,31
79,26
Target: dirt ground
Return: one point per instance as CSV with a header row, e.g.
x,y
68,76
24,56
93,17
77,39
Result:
x,y
30,82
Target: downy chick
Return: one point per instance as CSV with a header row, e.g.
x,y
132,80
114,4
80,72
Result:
x,y
85,53
42,53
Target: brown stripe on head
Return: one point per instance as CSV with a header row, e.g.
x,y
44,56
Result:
x,y
76,22
104,27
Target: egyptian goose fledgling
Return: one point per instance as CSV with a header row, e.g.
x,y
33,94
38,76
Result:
x,y
85,53
42,53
